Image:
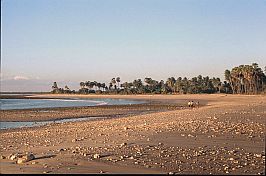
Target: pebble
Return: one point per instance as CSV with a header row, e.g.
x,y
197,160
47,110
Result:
x,y
45,172
96,156
189,135
13,157
61,150
123,144
2,157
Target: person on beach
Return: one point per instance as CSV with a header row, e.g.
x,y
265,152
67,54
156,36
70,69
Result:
x,y
197,104
192,104
189,103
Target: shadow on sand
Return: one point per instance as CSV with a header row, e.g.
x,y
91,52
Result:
x,y
44,157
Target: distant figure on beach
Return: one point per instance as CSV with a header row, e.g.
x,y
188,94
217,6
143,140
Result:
x,y
192,104
189,103
197,104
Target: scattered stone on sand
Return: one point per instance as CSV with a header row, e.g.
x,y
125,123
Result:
x,y
46,172
2,157
96,156
25,158
61,150
123,144
13,156
218,154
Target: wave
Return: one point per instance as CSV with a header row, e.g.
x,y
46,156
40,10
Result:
x,y
103,103
71,100
51,103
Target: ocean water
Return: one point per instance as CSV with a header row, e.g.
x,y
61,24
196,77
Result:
x,y
8,104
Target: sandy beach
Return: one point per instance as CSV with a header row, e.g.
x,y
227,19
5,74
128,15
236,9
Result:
x,y
225,135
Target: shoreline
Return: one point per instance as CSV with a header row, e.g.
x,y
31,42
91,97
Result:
x,y
216,138
154,103
110,111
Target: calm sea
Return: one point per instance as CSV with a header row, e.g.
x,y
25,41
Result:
x,y
6,104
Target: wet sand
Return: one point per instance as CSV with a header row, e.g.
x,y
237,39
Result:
x,y
226,136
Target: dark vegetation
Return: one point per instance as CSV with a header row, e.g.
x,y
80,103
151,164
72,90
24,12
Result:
x,y
244,79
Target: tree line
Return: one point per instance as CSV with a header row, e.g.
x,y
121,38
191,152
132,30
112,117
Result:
x,y
244,79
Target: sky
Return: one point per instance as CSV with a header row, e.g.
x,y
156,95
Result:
x,y
69,41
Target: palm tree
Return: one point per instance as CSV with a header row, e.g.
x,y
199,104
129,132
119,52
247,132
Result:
x,y
87,84
185,85
99,85
162,87
178,85
118,81
113,81
171,83
82,85
67,90
217,84
82,88
246,79
94,84
110,85
228,77
91,84
148,81
126,86
55,88
137,84
66,87
103,86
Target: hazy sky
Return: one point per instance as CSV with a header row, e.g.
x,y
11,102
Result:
x,y
69,41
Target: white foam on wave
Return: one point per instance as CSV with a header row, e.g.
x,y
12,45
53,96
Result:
x,y
62,100
70,100
103,103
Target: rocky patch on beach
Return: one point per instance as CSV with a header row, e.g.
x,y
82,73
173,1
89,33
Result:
x,y
201,160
